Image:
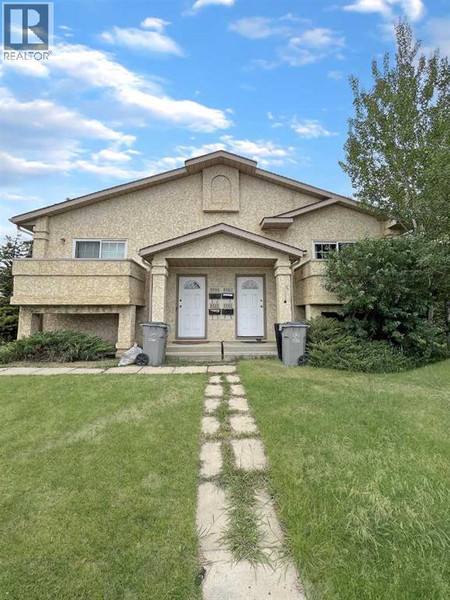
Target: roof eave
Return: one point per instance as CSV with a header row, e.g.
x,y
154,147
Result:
x,y
106,194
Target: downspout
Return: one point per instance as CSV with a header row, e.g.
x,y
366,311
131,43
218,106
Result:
x,y
22,230
295,265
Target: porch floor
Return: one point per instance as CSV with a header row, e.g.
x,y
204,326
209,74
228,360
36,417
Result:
x,y
212,351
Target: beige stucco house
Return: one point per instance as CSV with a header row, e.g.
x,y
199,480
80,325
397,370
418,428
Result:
x,y
219,249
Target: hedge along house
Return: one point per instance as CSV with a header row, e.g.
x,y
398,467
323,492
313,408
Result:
x,y
219,249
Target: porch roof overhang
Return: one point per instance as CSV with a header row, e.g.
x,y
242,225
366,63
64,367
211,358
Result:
x,y
292,252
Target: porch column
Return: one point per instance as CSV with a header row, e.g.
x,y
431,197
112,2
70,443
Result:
x,y
308,312
29,322
160,272
283,284
126,331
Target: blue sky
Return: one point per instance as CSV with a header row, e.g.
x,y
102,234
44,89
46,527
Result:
x,y
134,88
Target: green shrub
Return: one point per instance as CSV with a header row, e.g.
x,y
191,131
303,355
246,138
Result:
x,y
396,290
9,318
334,345
56,346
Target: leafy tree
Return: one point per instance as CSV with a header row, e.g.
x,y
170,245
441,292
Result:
x,y
395,290
12,248
398,145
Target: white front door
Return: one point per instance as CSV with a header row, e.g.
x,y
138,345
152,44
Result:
x,y
250,306
191,307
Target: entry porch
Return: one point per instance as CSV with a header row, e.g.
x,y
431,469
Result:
x,y
221,284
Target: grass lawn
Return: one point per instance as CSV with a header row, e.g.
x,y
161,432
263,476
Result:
x,y
98,487
103,363
360,466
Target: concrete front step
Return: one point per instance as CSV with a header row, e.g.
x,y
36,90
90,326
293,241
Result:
x,y
212,351
195,352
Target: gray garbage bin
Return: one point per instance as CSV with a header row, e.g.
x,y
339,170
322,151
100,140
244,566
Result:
x,y
154,334
293,338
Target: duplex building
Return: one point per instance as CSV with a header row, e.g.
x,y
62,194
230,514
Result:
x,y
219,249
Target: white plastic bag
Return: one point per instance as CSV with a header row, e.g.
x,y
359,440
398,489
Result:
x,y
129,356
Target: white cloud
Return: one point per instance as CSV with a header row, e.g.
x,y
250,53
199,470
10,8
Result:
x,y
413,9
112,155
45,138
266,152
311,46
89,68
301,46
110,171
202,3
15,167
270,116
264,149
336,75
139,39
309,129
319,38
8,196
256,28
295,56
154,23
34,120
179,112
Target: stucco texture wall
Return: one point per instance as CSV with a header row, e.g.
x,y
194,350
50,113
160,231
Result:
x,y
104,326
165,211
329,224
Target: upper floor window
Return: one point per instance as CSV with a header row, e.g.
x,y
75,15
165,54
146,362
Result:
x,y
323,249
112,249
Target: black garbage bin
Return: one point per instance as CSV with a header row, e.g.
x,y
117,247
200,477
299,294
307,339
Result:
x,y
278,339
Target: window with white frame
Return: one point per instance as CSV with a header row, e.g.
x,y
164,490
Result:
x,y
106,249
323,249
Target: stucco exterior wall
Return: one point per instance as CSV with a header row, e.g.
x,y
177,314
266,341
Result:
x,y
57,282
221,328
222,247
309,287
165,211
327,225
104,326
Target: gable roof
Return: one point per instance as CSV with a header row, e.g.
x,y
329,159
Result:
x,y
346,202
270,222
293,252
192,165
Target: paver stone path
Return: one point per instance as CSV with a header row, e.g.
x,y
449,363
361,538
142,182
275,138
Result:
x,y
224,577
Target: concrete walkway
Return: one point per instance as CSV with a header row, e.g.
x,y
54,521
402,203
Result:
x,y
132,370
225,578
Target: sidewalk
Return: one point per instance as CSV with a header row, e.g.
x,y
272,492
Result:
x,y
132,370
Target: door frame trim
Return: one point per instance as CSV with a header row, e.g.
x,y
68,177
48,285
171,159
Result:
x,y
177,294
251,337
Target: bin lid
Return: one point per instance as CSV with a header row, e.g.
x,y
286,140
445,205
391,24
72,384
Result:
x,y
154,324
293,324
